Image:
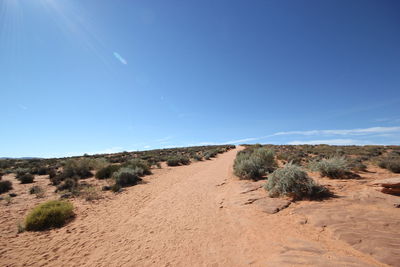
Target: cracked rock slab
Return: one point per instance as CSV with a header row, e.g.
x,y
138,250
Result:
x,y
272,205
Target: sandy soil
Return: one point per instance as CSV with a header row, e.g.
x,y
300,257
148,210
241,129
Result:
x,y
201,215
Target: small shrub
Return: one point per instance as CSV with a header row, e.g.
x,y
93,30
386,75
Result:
x,y
80,168
47,215
173,161
27,178
69,184
390,163
178,160
127,176
357,166
107,172
292,181
335,167
116,188
254,163
37,190
52,173
197,157
90,193
5,186
139,163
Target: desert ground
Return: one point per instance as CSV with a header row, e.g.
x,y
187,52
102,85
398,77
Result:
x,y
203,215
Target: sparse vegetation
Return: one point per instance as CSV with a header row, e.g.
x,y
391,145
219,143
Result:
x,y
334,167
294,182
127,176
5,186
178,160
254,163
139,164
26,178
107,171
37,190
50,214
391,162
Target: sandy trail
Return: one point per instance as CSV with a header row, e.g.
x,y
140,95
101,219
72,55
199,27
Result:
x,y
184,216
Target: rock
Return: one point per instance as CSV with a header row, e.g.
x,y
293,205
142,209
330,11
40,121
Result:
x,y
388,186
251,186
66,195
12,195
389,182
272,205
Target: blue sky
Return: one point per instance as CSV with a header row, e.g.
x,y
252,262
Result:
x,y
100,76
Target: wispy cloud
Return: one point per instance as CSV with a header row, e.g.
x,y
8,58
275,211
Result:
x,y
120,58
370,132
338,142
364,131
164,139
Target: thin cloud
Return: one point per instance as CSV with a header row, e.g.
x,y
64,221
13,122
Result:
x,y
120,58
372,131
337,142
365,131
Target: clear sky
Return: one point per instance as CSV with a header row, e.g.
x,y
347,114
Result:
x,y
100,76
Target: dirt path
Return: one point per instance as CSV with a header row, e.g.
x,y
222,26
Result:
x,y
184,216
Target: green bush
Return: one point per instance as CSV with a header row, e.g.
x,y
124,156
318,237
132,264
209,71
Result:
x,y
107,172
391,163
254,163
178,160
27,178
80,168
37,190
69,184
47,215
5,186
357,165
139,163
292,181
197,157
335,167
127,176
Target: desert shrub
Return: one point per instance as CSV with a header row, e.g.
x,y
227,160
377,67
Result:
x,y
357,165
90,193
42,171
127,176
27,178
19,172
69,184
107,171
335,167
80,168
5,186
211,153
52,173
392,163
173,161
97,164
178,160
116,188
139,163
197,157
292,181
47,215
254,163
37,190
